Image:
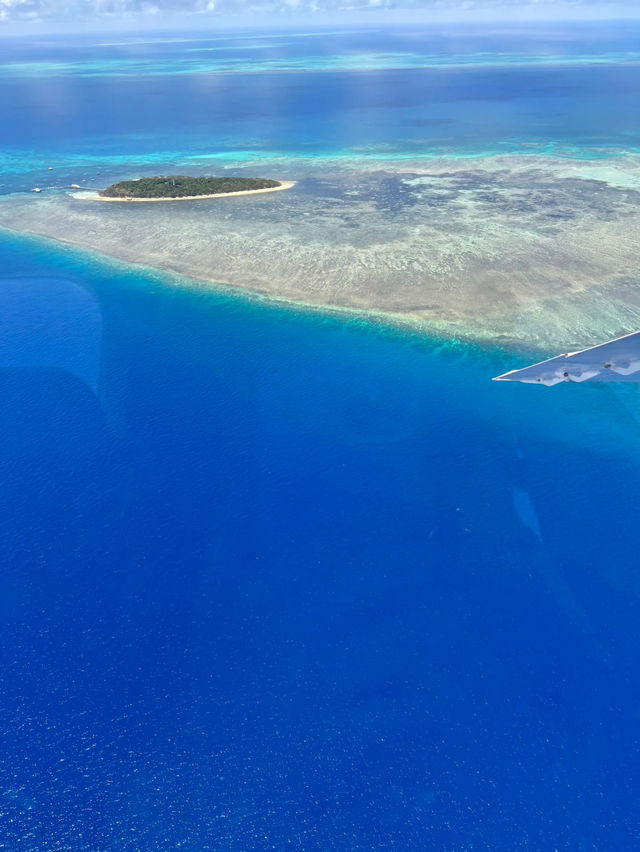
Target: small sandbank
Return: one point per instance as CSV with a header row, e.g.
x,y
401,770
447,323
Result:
x,y
90,195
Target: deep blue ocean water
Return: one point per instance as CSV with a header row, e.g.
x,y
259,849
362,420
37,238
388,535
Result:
x,y
285,580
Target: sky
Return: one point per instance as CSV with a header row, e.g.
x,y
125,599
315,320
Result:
x,y
52,15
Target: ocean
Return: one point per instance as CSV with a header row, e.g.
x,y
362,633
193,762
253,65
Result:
x,y
277,578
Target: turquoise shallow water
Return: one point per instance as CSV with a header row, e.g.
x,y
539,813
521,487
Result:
x,y
277,579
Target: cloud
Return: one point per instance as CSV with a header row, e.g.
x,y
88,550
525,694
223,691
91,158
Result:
x,y
88,10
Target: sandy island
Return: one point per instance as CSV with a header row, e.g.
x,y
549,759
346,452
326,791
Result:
x,y
89,195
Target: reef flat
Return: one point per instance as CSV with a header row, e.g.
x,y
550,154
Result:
x,y
521,250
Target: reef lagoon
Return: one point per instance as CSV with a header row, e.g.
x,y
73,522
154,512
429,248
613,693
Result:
x,y
282,567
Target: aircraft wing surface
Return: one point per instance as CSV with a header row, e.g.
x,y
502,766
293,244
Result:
x,y
614,361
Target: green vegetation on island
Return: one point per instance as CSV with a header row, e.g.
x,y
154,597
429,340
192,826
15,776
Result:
x,y
179,186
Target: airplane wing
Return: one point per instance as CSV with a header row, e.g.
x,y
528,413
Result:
x,y
614,361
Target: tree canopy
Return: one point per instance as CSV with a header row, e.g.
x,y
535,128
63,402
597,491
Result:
x,y
180,186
